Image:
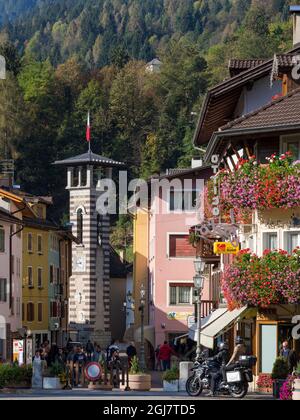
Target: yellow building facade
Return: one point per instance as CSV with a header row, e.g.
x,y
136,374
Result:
x,y
35,305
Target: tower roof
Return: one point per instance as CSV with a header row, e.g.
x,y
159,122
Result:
x,y
90,158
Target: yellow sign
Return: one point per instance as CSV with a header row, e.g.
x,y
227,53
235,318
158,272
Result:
x,y
225,248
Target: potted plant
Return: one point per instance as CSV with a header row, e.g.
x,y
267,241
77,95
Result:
x,y
296,391
52,378
279,375
138,380
264,383
171,380
15,376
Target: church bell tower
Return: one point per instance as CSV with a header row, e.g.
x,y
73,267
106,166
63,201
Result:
x,y
89,290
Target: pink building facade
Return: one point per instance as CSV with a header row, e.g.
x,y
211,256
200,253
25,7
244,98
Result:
x,y
10,279
171,258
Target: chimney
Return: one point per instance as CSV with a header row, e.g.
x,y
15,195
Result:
x,y
295,11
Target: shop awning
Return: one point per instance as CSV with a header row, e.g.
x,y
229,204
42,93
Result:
x,y
205,322
221,323
149,334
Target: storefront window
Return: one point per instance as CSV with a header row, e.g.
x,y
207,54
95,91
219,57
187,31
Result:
x,y
268,340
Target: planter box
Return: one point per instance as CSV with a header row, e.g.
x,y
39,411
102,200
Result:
x,y
171,386
51,383
140,382
296,392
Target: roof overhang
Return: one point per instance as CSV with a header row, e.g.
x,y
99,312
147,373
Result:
x,y
221,100
218,136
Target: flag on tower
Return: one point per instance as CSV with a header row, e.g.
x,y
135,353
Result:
x,y
88,128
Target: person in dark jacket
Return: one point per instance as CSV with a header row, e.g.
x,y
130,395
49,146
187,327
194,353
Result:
x,y
221,359
131,352
290,356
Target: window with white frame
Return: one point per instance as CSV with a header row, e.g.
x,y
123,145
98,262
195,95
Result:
x,y
181,294
30,276
291,144
40,244
270,241
183,200
292,241
29,242
40,277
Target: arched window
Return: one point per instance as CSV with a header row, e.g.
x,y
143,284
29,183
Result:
x,y
80,225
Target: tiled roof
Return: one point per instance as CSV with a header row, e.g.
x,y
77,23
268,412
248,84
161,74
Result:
x,y
286,60
236,64
283,111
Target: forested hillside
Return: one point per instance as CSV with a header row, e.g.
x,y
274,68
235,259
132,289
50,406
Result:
x,y
66,57
92,29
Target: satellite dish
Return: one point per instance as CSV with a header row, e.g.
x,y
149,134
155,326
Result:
x,y
93,372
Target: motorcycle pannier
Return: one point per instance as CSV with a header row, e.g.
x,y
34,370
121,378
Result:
x,y
248,361
234,377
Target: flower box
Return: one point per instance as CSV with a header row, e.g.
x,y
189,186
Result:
x,y
51,383
258,187
256,281
172,386
140,382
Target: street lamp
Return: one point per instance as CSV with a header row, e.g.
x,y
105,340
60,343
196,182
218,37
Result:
x,y
142,310
199,279
25,333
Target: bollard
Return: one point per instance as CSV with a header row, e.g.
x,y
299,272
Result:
x,y
185,371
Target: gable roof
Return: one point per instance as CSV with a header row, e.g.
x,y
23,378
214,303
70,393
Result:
x,y
280,115
221,100
283,111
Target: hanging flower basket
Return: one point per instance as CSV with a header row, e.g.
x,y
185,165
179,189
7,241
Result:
x,y
260,282
256,186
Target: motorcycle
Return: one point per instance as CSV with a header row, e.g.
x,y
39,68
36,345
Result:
x,y
237,381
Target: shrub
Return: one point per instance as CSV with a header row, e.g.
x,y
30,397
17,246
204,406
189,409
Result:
x,y
11,375
280,369
55,370
135,367
171,375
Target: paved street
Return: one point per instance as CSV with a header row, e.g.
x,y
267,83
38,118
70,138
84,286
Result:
x,y
85,394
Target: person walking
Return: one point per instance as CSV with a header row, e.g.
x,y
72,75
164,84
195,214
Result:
x,y
89,350
165,354
290,356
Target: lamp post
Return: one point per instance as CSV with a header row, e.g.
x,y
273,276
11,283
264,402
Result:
x,y
199,279
25,334
142,310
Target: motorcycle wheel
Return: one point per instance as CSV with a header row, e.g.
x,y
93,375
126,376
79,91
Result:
x,y
194,386
239,391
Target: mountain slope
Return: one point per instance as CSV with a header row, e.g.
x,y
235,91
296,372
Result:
x,y
92,29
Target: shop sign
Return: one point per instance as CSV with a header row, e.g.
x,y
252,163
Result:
x,y
178,316
225,248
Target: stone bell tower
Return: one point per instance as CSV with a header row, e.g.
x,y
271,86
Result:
x,y
89,291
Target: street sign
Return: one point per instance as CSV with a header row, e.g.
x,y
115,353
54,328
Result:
x,y
93,372
191,321
225,248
